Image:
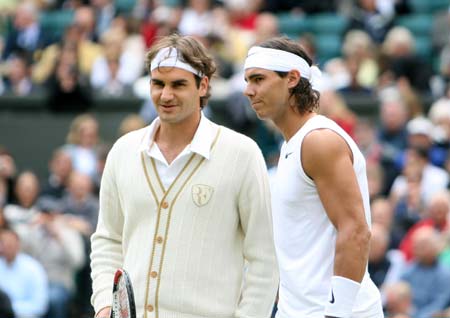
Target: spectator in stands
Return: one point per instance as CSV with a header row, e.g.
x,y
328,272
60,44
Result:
x,y
82,140
266,26
375,179
333,105
18,80
439,115
422,133
7,176
130,123
7,8
436,217
426,275
441,30
6,310
432,179
80,209
370,16
411,97
308,42
354,87
160,21
115,70
23,279
60,167
84,19
102,153
196,18
22,213
26,35
408,206
385,266
401,61
365,138
359,57
105,11
133,44
383,214
60,250
216,47
73,43
398,300
67,91
243,14
79,204
391,134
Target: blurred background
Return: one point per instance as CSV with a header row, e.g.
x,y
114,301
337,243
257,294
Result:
x,y
73,80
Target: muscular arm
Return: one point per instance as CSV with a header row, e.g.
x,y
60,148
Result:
x,y
327,159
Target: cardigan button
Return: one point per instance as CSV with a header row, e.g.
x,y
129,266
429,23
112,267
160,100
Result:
x,y
153,274
159,239
150,308
165,205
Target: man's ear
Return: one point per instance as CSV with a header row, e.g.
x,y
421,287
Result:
x,y
293,77
203,88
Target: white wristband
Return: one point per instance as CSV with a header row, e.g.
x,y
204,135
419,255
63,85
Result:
x,y
342,297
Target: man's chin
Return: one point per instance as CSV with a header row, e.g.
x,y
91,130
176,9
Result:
x,y
262,116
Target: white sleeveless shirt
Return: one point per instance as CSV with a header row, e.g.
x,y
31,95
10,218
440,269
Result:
x,y
305,238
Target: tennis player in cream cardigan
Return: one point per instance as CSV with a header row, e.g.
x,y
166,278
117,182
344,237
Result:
x,y
185,205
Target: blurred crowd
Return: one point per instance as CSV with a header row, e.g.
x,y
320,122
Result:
x,y
69,49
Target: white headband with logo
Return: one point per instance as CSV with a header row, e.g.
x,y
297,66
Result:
x,y
169,57
281,61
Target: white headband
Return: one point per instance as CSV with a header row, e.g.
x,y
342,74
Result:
x,y
169,57
281,61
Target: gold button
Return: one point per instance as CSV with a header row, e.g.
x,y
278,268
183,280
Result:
x,y
159,239
149,308
153,274
165,205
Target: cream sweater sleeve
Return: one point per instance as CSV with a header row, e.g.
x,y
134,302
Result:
x,y
261,275
106,241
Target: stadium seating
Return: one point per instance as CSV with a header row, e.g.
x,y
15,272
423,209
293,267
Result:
x,y
418,24
293,25
125,6
328,23
428,6
328,46
55,22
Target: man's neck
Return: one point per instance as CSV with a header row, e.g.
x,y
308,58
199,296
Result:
x,y
291,123
173,138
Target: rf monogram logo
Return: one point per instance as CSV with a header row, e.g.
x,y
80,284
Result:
x,y
201,194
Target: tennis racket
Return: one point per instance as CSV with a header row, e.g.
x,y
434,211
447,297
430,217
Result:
x,y
123,299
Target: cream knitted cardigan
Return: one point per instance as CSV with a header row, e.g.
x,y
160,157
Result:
x,y
185,247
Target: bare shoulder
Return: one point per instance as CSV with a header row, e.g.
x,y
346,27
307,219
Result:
x,y
321,148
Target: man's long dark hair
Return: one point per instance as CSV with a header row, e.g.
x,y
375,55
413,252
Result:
x,y
306,98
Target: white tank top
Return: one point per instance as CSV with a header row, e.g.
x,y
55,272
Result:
x,y
305,238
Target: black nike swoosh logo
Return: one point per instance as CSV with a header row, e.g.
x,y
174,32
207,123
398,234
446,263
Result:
x,y
288,154
332,297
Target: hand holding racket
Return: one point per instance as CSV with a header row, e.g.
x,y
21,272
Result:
x,y
123,299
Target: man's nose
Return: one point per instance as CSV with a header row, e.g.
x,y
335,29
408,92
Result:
x,y
249,91
167,93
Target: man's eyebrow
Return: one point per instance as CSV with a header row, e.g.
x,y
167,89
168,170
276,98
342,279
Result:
x,y
254,75
175,82
180,81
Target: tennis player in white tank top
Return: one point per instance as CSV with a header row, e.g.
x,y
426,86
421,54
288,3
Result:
x,y
320,199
